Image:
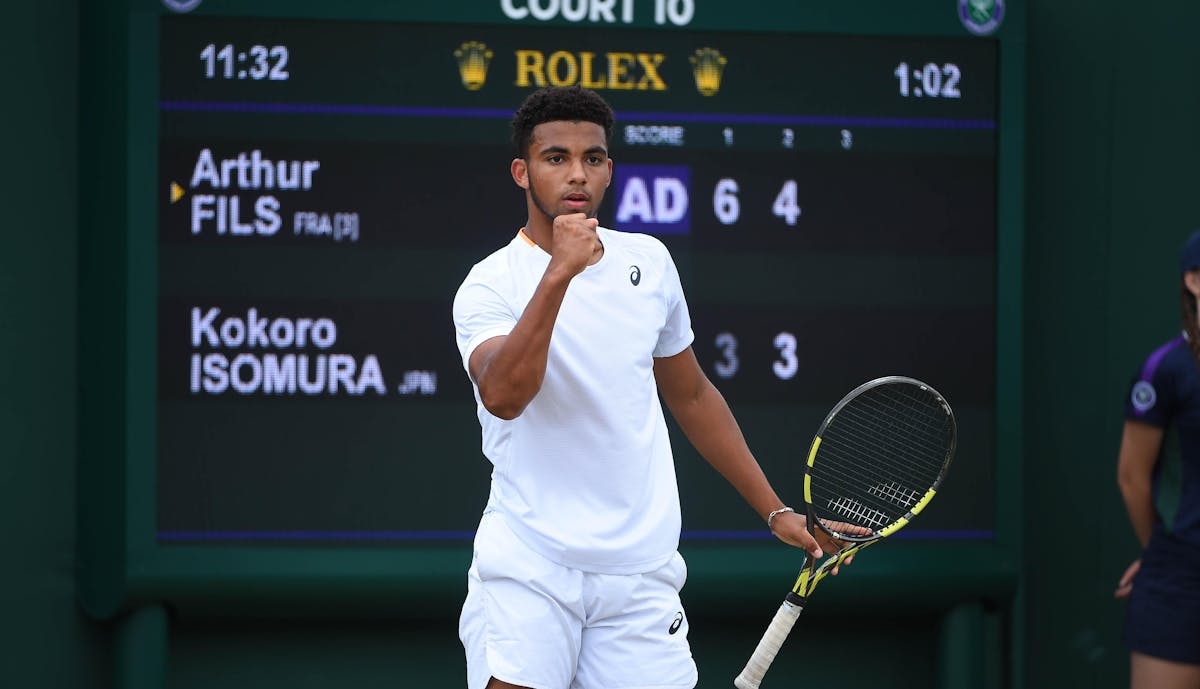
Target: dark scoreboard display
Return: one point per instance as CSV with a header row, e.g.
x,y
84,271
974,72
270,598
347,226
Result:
x,y
280,200
323,187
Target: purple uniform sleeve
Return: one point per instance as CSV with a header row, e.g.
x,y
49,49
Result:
x,y
1151,397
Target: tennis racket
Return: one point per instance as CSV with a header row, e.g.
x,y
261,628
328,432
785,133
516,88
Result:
x,y
875,463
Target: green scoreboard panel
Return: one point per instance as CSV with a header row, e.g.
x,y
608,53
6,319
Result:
x,y
282,199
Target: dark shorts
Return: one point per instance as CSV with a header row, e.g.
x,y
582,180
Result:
x,y
1163,617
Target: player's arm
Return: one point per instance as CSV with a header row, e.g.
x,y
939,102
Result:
x,y
1140,443
705,418
509,369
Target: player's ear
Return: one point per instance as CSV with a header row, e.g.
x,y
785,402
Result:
x,y
520,172
1191,280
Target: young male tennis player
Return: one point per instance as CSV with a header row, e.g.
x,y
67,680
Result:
x,y
569,334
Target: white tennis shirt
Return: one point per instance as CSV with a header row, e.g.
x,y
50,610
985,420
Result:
x,y
585,474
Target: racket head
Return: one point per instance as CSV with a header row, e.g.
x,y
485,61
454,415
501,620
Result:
x,y
878,458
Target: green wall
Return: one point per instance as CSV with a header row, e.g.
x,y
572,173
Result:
x,y
1112,150
45,641
1111,145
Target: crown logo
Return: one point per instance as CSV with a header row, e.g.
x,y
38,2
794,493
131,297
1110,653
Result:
x,y
707,66
473,58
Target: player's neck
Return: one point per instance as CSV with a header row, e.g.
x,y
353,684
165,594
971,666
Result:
x,y
541,234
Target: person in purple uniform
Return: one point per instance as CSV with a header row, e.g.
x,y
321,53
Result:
x,y
1162,413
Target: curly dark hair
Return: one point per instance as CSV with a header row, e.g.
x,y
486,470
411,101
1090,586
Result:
x,y
558,104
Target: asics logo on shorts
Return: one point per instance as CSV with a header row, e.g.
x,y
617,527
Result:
x,y
676,623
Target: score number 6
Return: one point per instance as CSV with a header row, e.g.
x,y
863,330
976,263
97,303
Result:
x,y
728,208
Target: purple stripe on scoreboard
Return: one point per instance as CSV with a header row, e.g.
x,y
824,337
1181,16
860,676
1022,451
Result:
x,y
624,116
430,535
310,535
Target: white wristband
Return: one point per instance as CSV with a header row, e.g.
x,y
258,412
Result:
x,y
776,513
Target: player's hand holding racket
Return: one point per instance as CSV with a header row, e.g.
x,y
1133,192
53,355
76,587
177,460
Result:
x,y
874,464
793,529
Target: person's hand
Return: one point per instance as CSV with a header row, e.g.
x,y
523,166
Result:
x,y
575,240
792,528
1125,585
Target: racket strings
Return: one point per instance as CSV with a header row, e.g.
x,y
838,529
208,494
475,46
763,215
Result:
x,y
885,473
897,466
901,453
880,415
880,454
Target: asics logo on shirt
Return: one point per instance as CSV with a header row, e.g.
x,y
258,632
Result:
x,y
677,622
635,275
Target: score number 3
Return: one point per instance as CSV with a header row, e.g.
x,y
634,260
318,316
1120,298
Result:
x,y
785,367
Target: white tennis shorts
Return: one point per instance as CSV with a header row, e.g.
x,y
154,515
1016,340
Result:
x,y
534,623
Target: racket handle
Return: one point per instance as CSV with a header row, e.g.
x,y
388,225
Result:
x,y
768,647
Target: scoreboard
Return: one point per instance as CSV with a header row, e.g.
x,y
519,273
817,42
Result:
x,y
299,194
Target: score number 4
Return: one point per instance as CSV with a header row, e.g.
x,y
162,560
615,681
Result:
x,y
728,208
784,368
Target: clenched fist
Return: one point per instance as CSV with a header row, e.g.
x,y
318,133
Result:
x,y
575,242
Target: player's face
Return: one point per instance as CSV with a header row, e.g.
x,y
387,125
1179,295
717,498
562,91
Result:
x,y
567,169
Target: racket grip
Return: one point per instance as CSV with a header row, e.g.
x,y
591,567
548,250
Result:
x,y
768,646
